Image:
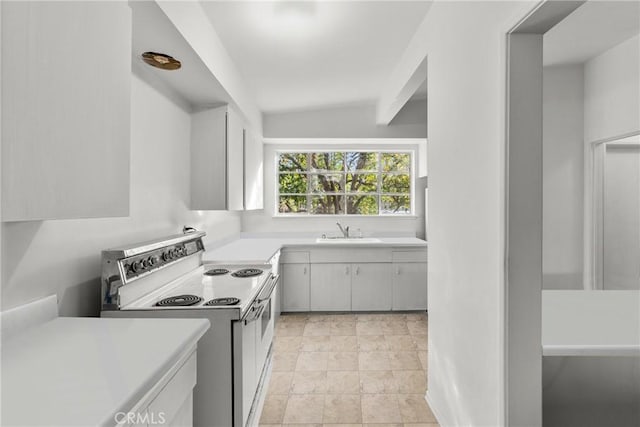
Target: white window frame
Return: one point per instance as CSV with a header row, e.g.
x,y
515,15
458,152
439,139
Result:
x,y
292,149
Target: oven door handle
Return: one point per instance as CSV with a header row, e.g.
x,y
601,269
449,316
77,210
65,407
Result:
x,y
260,303
256,312
268,291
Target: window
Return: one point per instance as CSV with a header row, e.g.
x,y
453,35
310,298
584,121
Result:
x,y
344,183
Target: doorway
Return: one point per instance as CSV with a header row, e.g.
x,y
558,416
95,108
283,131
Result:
x,y
525,215
616,210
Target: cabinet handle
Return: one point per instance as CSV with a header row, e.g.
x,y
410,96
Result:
x,y
346,270
397,271
357,270
304,271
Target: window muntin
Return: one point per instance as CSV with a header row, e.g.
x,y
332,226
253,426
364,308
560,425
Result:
x,y
373,183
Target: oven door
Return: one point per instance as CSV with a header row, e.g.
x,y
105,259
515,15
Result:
x,y
252,341
265,324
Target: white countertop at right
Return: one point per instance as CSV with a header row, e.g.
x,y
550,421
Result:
x,y
250,249
590,323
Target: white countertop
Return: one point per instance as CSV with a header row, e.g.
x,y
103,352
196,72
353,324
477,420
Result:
x,y
82,371
590,323
252,250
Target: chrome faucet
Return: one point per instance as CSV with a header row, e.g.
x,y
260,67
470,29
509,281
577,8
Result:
x,y
345,230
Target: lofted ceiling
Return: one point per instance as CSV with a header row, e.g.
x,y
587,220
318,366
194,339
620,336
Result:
x,y
591,29
421,92
299,55
193,83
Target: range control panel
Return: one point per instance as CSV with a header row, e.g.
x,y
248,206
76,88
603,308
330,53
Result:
x,y
137,265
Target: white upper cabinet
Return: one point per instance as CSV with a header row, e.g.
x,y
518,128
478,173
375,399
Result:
x,y
66,93
235,161
226,162
253,171
217,164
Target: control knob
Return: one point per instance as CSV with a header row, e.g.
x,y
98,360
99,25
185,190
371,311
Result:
x,y
138,266
154,260
165,256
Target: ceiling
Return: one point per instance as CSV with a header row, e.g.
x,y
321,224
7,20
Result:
x,y
421,92
590,30
303,55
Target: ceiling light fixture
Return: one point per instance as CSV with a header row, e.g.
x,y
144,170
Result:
x,y
161,60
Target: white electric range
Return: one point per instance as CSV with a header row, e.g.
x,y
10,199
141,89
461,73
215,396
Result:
x,y
228,287
166,278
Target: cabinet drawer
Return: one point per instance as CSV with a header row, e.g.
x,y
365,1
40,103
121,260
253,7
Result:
x,y
297,257
350,255
409,256
170,399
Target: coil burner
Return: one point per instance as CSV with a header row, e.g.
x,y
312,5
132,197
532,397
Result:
x,y
216,272
247,272
223,301
179,301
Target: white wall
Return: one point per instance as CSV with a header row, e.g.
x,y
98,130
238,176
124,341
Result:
x,y
563,170
63,257
353,121
583,103
611,109
466,163
612,92
265,221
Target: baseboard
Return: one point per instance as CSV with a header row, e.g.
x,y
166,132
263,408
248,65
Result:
x,y
436,412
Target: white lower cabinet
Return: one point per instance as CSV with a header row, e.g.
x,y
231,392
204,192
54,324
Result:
x,y
409,286
371,286
367,279
295,287
169,402
330,288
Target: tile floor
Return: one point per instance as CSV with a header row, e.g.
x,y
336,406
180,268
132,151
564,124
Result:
x,y
349,370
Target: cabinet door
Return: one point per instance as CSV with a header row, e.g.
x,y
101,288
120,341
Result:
x,y
409,286
66,97
171,399
371,286
295,287
330,287
208,159
245,372
253,171
235,162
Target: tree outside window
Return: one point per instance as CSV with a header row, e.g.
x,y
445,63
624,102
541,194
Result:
x,y
344,182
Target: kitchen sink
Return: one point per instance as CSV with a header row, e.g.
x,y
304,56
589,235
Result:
x,y
347,240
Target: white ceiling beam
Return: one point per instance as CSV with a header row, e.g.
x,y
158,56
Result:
x,y
407,76
190,20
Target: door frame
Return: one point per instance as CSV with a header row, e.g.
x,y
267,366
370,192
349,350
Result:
x,y
593,210
522,292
